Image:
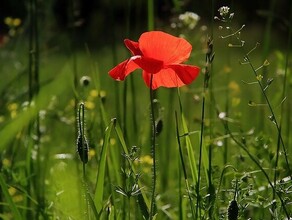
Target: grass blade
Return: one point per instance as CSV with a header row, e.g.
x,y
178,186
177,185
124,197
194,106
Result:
x,y
184,169
205,158
15,211
10,130
150,6
98,197
190,151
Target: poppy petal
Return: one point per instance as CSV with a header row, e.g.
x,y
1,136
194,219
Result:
x,y
186,73
123,69
165,78
165,47
149,65
174,76
133,46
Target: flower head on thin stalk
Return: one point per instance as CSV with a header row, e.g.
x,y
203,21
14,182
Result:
x,y
225,14
226,17
161,55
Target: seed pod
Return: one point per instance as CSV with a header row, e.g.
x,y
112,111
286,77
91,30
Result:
x,y
233,210
158,126
82,148
82,144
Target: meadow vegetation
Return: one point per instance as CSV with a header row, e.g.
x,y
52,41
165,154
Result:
x,y
76,144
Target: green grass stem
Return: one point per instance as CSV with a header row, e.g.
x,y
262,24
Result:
x,y
266,50
99,188
183,168
200,155
7,196
33,90
150,12
190,152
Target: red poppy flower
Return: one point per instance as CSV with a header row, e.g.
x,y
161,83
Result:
x,y
160,54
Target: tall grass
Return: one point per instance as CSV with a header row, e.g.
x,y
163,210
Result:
x,y
34,126
117,171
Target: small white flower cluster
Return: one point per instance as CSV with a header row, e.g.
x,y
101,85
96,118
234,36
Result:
x,y
187,19
225,14
224,11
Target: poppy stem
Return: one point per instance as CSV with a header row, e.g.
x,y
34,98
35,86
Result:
x,y
153,145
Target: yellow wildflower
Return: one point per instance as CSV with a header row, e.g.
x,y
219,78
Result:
x,y
16,22
93,93
234,87
146,160
89,105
